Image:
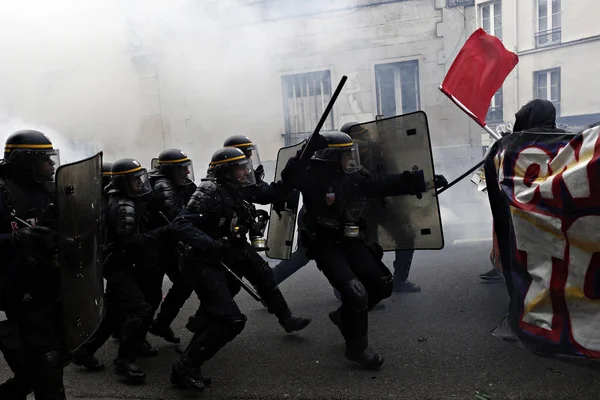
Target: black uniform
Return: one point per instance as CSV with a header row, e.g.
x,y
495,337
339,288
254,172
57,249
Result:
x,y
113,317
131,268
171,192
216,211
334,201
30,279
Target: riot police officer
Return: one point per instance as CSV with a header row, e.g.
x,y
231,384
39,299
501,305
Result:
x,y
335,188
130,267
214,225
172,189
370,154
30,278
276,193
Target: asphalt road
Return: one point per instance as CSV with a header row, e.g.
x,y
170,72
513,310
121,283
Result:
x,y
436,343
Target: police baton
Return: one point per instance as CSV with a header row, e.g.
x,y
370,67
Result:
x,y
246,287
27,224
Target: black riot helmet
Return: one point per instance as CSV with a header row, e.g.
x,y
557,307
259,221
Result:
x,y
353,129
130,178
245,144
106,173
231,165
31,155
175,165
341,150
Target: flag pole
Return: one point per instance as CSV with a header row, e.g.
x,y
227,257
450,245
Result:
x,y
470,114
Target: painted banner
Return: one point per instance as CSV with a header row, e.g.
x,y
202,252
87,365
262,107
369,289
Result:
x,y
544,192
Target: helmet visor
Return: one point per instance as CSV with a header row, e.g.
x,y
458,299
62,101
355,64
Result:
x,y
350,159
46,164
183,173
137,183
243,173
252,153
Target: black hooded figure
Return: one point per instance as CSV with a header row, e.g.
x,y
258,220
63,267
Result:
x,y
535,116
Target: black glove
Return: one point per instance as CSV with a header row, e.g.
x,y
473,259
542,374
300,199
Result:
x,y
35,237
259,173
218,248
440,181
416,181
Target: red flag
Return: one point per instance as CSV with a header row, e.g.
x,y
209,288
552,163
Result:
x,y
477,73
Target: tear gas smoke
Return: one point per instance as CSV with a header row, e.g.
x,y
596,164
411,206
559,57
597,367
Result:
x,y
132,77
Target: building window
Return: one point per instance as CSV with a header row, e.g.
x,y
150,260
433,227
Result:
x,y
397,88
491,18
547,86
495,112
549,23
305,97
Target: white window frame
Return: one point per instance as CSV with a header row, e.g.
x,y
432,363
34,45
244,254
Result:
x,y
376,100
333,115
492,6
551,32
548,73
494,105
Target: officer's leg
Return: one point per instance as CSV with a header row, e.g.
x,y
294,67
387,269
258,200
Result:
x,y
10,345
217,322
374,275
172,304
258,272
138,316
41,347
287,268
402,265
84,355
150,284
352,316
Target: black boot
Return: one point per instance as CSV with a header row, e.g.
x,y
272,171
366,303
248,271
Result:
x,y
84,358
294,323
164,331
359,351
129,370
185,376
147,351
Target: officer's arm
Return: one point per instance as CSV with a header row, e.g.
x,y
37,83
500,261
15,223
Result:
x,y
268,193
294,175
125,220
163,200
405,183
187,227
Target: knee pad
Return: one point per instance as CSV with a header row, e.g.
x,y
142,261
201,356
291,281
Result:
x,y
53,359
354,293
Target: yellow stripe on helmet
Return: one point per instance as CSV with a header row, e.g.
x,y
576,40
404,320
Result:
x,y
241,145
126,172
173,161
228,160
9,146
341,145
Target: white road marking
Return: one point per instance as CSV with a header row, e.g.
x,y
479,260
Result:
x,y
474,240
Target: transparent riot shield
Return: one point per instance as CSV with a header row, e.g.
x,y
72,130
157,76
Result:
x,y
78,200
392,145
281,229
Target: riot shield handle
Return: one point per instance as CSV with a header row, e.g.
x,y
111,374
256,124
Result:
x,y
310,144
